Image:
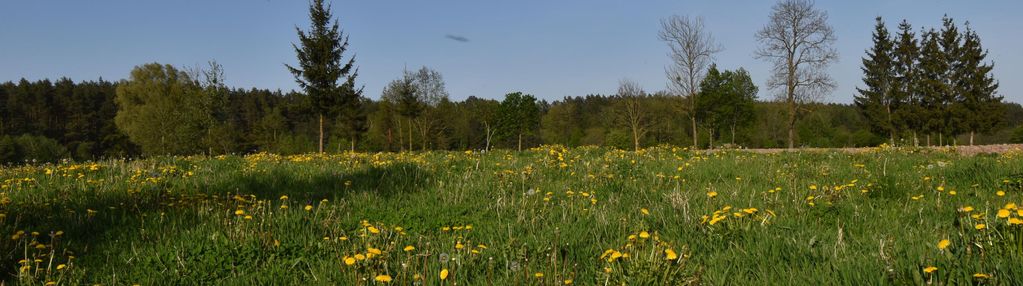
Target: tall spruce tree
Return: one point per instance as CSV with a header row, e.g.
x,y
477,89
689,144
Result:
x,y
906,55
950,100
879,101
931,71
980,108
321,65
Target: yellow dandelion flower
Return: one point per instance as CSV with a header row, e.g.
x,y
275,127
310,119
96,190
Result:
x,y
373,230
670,254
360,257
941,188
349,260
308,207
981,275
644,234
1015,221
409,248
443,274
712,194
1000,193
538,275
980,226
568,281
383,278
61,266
644,211
930,269
943,244
374,251
966,209
1003,213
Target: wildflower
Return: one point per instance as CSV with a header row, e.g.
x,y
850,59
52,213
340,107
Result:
x,y
61,266
966,209
372,229
813,187
1015,221
360,257
1003,213
284,197
459,245
1010,206
349,260
409,248
943,244
712,194
568,281
383,278
644,211
374,251
538,275
980,226
670,254
239,212
981,276
1000,193
930,269
443,274
644,234
941,188
308,207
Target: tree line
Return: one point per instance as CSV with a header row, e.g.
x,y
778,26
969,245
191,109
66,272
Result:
x,y
936,84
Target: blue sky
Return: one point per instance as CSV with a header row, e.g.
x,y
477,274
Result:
x,y
547,48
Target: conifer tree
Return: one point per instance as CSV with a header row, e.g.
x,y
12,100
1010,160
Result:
x,y
906,82
980,108
321,65
879,101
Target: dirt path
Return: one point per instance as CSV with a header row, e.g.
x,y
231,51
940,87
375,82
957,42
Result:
x,y
963,150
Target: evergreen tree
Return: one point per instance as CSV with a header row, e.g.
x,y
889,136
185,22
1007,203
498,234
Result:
x,y
321,65
931,72
950,100
906,55
980,107
879,101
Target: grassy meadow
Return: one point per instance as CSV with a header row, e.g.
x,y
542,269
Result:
x,y
549,216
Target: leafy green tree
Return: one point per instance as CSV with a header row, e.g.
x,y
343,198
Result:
x,y
879,101
726,102
158,108
321,65
519,116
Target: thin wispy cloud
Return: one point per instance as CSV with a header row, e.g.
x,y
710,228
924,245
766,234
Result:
x,y
457,38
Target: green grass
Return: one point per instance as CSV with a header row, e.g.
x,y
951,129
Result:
x,y
504,217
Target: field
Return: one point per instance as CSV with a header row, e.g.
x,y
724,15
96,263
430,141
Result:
x,y
549,216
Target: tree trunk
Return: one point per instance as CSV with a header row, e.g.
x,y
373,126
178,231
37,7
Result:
x,y
928,140
971,137
520,142
710,139
696,135
635,139
410,135
916,140
321,133
487,130
733,133
792,124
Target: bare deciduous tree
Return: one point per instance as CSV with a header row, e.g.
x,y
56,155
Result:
x,y
692,49
630,109
798,41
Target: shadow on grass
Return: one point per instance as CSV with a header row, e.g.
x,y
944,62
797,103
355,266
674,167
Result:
x,y
119,215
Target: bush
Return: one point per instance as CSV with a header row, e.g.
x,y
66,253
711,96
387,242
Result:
x,y
1017,135
30,148
10,152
